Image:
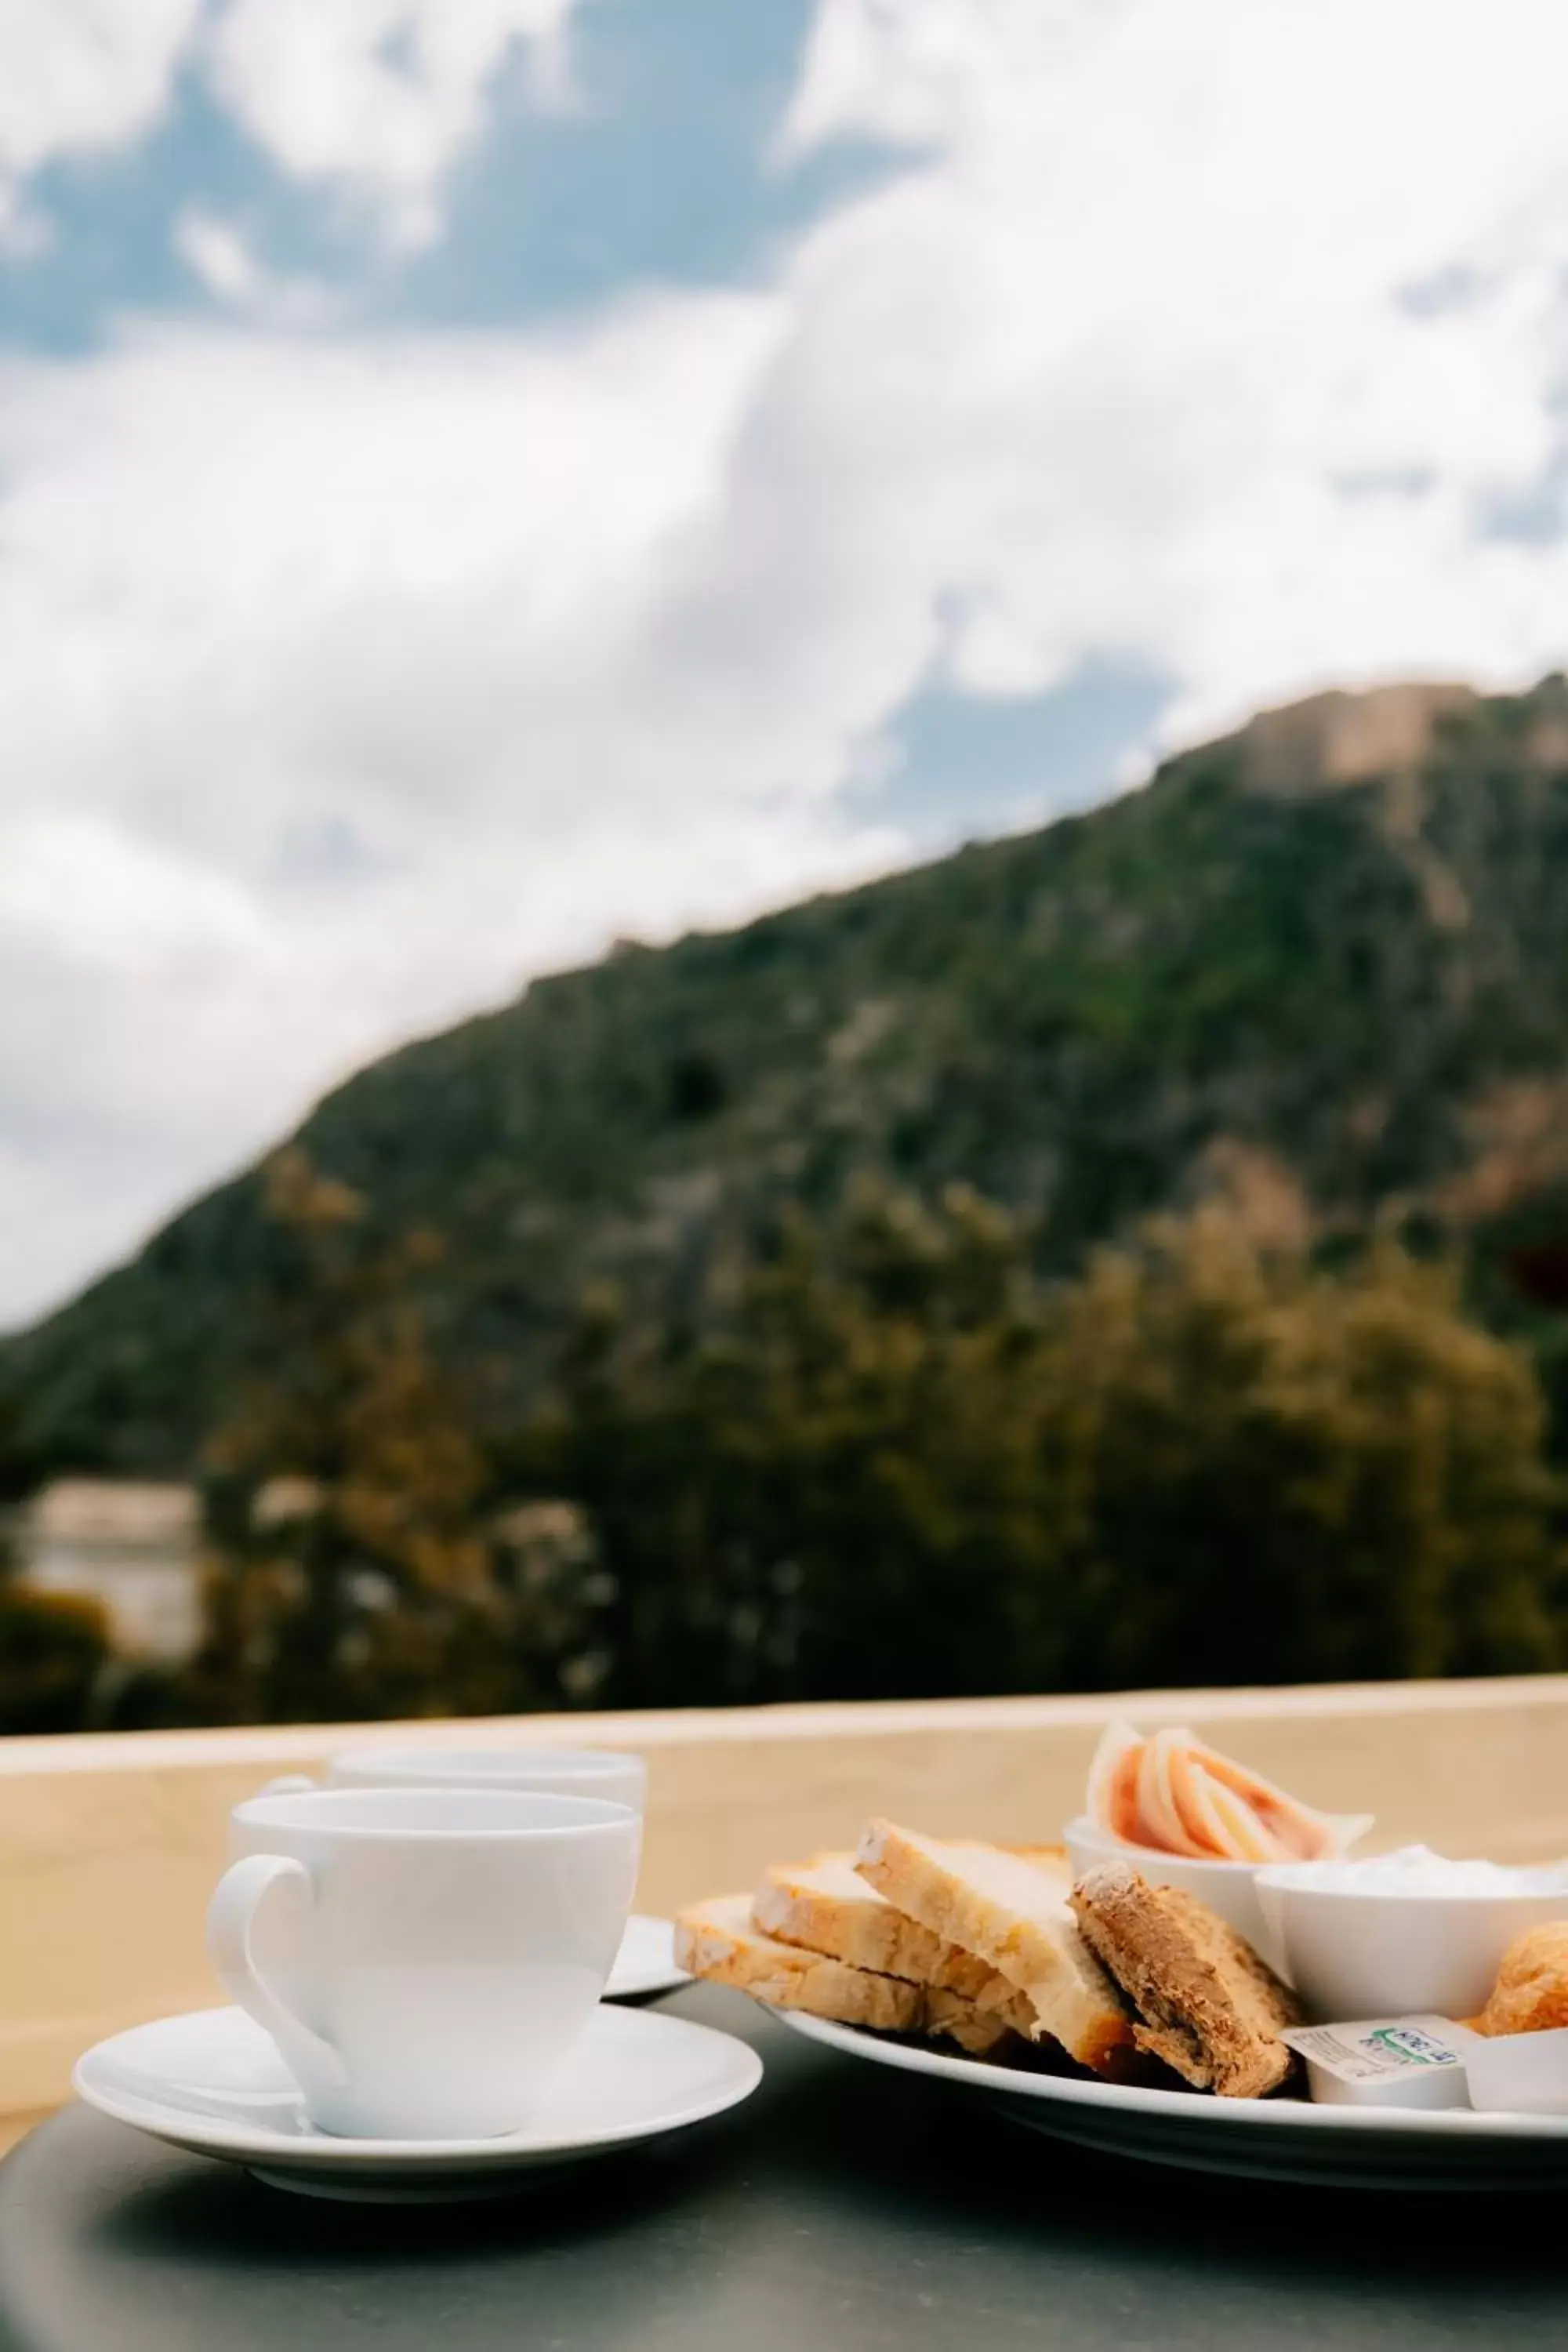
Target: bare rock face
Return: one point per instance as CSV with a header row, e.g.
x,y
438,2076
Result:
x,y
1346,739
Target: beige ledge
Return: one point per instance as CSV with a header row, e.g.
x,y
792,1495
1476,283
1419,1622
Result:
x,y
110,1844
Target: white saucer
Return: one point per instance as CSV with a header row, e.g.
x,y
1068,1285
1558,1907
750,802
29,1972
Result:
x,y
645,1961
212,2082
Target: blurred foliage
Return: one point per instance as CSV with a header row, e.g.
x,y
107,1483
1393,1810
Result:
x,y
883,1456
22,1469
355,1566
55,1654
904,1466
55,1648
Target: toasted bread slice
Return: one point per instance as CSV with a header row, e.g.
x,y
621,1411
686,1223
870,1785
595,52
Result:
x,y
1207,2005
718,1941
825,1905
1010,1910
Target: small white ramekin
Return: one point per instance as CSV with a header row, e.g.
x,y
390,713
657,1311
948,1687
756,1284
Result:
x,y
1363,1952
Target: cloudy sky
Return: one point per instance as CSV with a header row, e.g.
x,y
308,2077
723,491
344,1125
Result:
x,y
482,477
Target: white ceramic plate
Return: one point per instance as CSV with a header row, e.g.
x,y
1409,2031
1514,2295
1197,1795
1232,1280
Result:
x,y
212,2082
1274,2139
645,1961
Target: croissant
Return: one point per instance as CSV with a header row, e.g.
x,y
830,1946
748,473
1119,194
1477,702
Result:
x,y
1530,1995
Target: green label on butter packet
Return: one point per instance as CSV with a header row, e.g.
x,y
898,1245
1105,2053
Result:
x,y
1409,2042
1376,2047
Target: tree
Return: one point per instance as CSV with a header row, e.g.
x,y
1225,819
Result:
x,y
54,1646
897,1464
1261,1471
878,1456
831,1495
353,1569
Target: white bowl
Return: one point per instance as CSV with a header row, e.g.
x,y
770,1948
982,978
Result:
x,y
1225,1886
1519,2073
1353,1952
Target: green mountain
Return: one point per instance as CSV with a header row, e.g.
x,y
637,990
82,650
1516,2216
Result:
x,y
1325,959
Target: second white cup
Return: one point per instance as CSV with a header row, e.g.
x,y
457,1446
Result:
x,y
608,1773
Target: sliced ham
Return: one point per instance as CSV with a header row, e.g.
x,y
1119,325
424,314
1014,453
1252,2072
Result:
x,y
1171,1794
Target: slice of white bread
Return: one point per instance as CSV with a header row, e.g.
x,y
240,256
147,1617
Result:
x,y
1010,1910
996,2033
717,1940
824,1906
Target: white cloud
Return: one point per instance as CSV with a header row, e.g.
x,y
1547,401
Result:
x,y
375,98
1141,318
346,681
918,73
220,255
108,899
342,681
378,96
79,76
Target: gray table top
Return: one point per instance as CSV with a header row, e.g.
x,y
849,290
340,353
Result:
x,y
844,2208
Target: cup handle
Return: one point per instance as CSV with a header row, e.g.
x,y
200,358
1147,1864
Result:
x,y
290,1784
237,1900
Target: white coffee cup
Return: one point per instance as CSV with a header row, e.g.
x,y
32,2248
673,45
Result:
x,y
422,1958
613,1774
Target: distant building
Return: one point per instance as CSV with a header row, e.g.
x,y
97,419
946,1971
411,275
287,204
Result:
x,y
133,1545
136,1548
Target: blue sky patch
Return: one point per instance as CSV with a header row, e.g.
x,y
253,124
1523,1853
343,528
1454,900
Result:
x,y
963,765
660,168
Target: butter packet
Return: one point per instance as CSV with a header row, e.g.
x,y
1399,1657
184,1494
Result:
x,y
1384,2062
